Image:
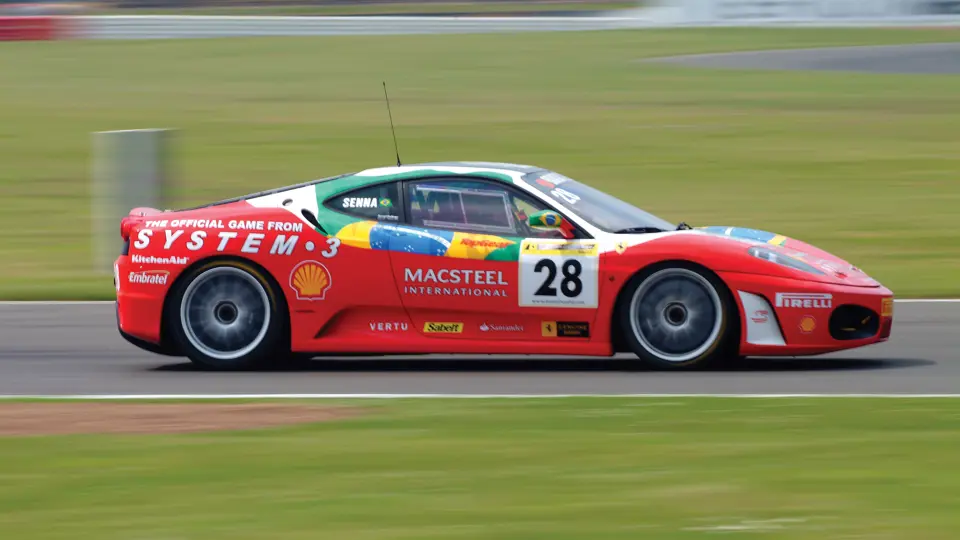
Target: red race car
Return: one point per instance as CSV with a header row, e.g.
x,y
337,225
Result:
x,y
475,257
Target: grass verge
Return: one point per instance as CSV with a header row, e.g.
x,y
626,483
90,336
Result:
x,y
862,165
604,468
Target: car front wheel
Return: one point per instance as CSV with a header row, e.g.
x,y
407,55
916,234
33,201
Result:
x,y
677,316
227,315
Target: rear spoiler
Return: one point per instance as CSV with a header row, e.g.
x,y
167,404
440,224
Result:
x,y
134,217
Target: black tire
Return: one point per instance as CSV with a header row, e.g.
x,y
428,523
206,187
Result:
x,y
244,325
678,316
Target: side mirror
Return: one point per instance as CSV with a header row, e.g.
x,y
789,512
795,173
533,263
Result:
x,y
548,220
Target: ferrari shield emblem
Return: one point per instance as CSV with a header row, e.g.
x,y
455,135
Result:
x,y
621,247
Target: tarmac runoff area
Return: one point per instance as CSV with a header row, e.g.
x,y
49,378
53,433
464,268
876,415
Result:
x,y
926,59
73,349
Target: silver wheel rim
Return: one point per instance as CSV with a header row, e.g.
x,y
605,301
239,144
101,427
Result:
x,y
225,313
676,314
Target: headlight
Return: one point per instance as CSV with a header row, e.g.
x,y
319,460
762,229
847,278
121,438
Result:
x,y
768,254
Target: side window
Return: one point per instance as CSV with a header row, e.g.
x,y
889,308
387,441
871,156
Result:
x,y
524,207
380,202
472,206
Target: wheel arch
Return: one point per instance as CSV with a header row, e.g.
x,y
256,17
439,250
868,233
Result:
x,y
165,338
616,333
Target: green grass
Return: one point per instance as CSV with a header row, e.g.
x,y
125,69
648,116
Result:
x,y
864,166
510,469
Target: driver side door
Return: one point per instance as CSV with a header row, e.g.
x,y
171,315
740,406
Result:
x,y
469,266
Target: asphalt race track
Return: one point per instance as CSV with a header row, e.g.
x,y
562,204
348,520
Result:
x,y
74,349
71,349
938,58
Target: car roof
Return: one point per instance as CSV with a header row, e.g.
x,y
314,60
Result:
x,y
376,174
512,167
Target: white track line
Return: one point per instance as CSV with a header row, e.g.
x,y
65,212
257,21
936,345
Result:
x,y
111,302
124,397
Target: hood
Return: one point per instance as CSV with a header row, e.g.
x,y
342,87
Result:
x,y
836,270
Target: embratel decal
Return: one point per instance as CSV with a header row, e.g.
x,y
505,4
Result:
x,y
443,328
565,329
808,324
804,300
149,277
310,280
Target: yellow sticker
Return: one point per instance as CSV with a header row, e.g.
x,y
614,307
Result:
x,y
548,329
572,249
443,328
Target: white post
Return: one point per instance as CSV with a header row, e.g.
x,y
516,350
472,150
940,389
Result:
x,y
130,169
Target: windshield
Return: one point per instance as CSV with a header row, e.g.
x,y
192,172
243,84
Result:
x,y
603,211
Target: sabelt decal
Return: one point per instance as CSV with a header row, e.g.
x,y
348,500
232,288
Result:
x,y
805,300
565,329
149,277
310,280
808,324
760,316
443,328
886,307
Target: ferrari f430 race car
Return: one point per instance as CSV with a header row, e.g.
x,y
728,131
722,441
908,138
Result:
x,y
475,257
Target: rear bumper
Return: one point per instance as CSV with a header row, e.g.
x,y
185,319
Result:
x,y
139,311
156,348
786,317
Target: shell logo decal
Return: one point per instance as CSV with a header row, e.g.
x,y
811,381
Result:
x,y
310,280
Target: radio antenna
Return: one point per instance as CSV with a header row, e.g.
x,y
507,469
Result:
x,y
395,147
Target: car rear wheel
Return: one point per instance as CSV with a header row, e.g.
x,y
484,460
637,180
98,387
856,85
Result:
x,y
227,315
677,317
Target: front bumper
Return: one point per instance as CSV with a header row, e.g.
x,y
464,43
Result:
x,y
787,317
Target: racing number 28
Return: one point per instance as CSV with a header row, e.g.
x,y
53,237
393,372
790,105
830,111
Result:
x,y
571,286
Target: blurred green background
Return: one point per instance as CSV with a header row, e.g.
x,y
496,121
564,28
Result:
x,y
862,165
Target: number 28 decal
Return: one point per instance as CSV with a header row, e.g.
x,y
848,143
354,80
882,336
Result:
x,y
563,275
570,285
